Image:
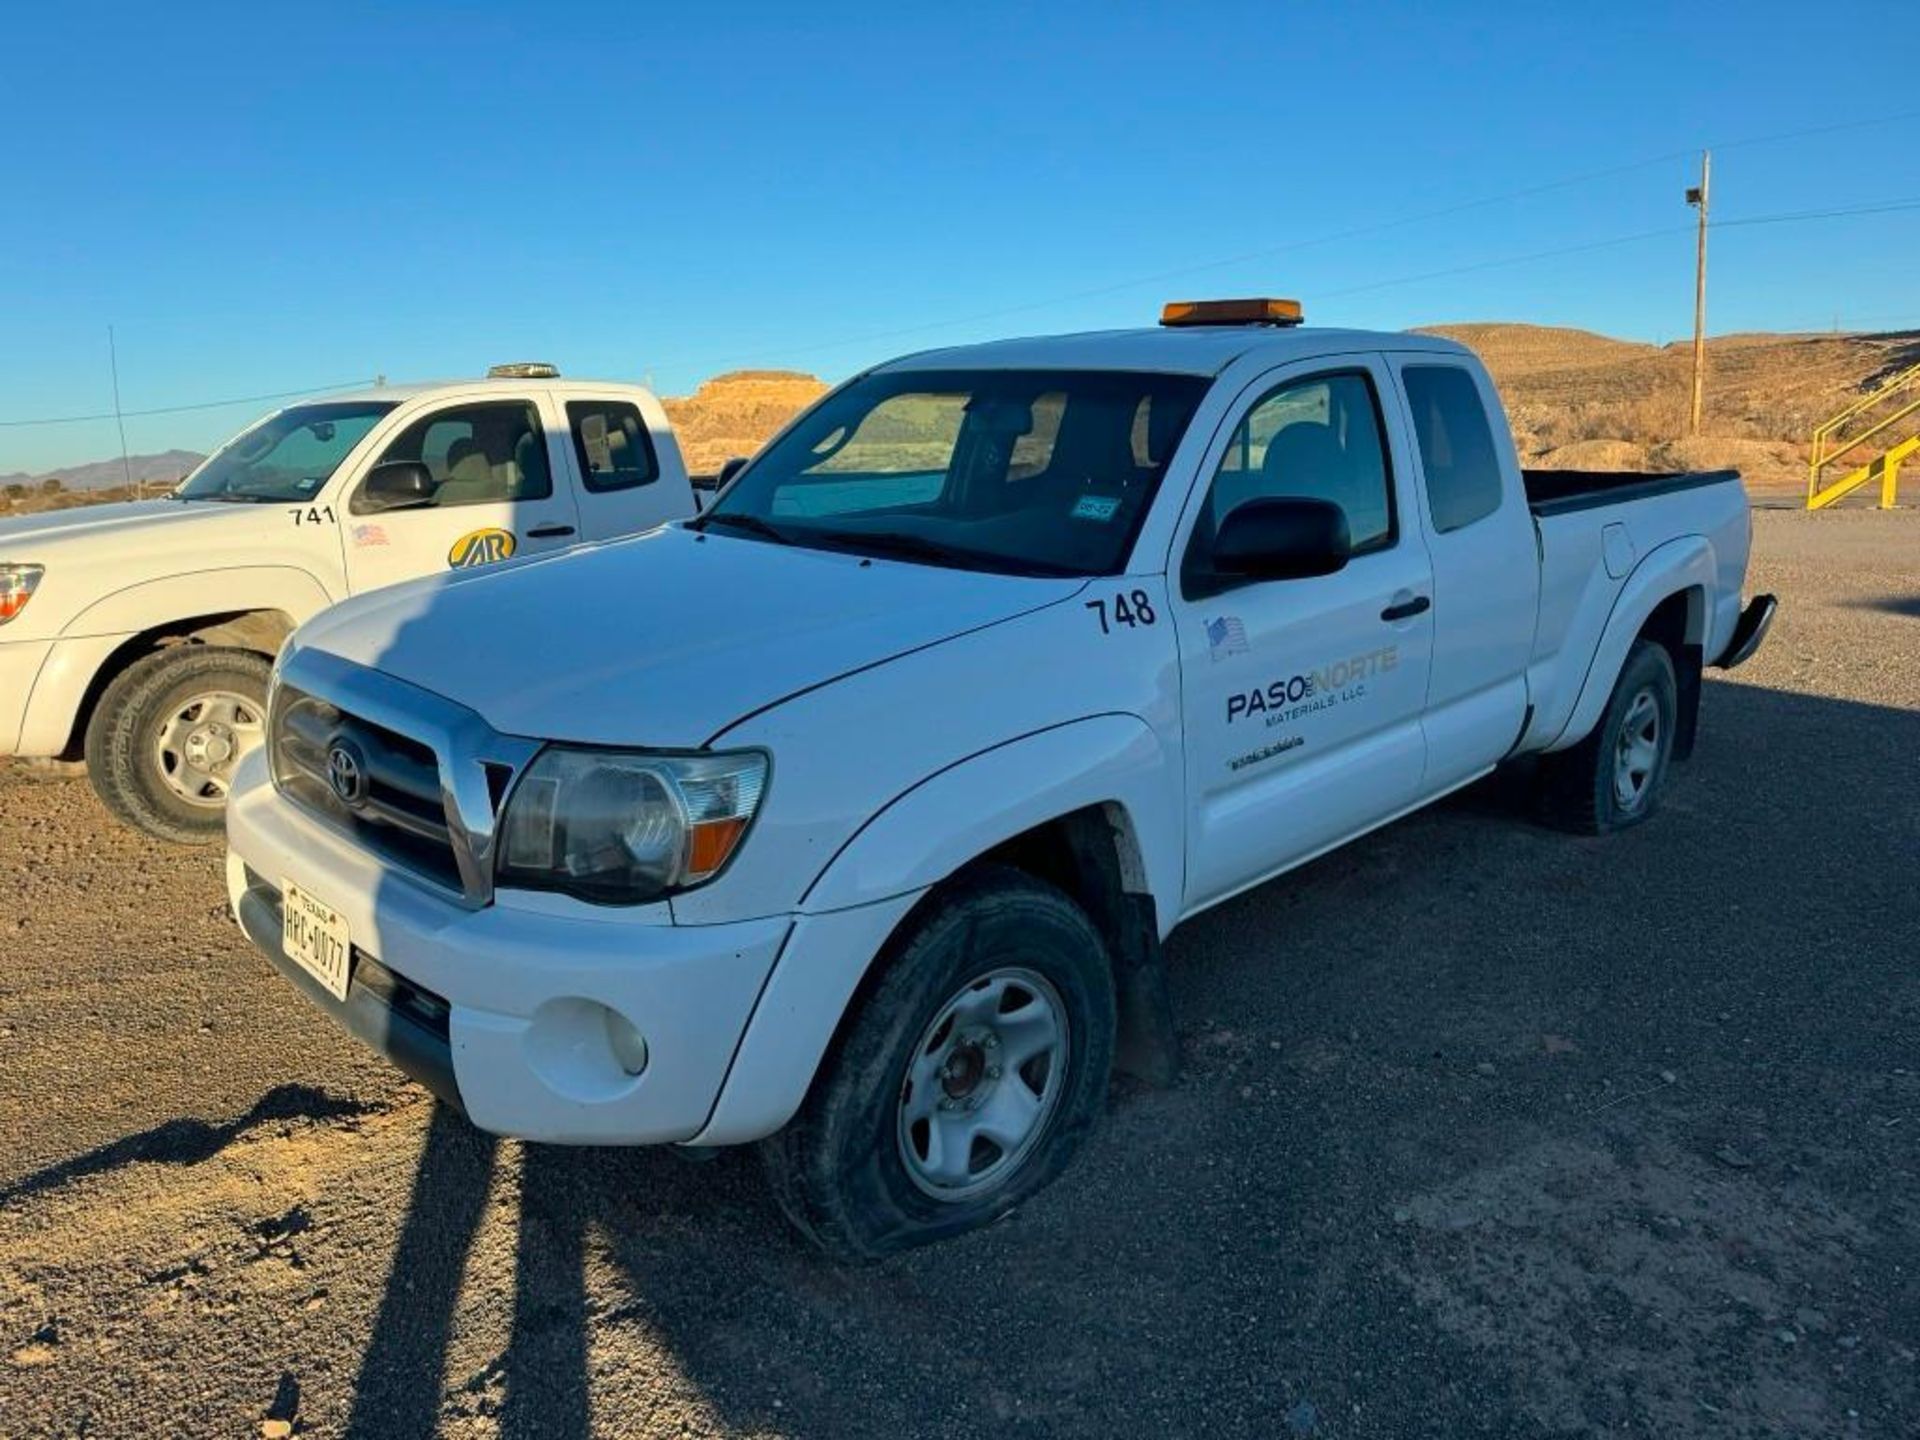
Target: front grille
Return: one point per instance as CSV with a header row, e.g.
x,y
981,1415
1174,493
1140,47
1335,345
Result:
x,y
394,804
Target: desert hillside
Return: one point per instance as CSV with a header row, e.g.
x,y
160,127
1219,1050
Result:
x,y
1579,400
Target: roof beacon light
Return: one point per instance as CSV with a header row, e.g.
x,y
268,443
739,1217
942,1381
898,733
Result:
x,y
524,370
1231,312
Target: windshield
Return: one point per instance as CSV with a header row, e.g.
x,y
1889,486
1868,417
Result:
x,y
1032,472
286,457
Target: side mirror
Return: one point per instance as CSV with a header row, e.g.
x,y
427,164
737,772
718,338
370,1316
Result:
x,y
397,485
1282,538
730,469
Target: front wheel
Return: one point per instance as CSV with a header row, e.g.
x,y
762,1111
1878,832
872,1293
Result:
x,y
1614,777
168,734
966,1078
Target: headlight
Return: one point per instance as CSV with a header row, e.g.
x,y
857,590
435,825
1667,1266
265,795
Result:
x,y
622,828
17,584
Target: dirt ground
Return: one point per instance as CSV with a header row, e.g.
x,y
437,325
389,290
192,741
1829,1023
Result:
x,y
1484,1131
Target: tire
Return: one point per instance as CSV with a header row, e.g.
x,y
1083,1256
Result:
x,y
143,764
855,1171
1586,789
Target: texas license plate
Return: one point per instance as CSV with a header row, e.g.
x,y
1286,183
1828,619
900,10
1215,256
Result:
x,y
315,935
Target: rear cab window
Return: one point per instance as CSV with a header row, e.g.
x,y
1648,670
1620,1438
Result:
x,y
612,444
1458,457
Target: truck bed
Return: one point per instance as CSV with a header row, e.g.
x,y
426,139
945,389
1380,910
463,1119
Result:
x,y
1554,492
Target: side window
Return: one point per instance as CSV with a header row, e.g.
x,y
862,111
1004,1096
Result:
x,y
1456,445
477,454
1320,439
612,444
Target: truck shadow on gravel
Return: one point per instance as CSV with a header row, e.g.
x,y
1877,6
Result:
x,y
189,1141
1483,1130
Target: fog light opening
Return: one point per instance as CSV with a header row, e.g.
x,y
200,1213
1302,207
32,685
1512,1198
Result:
x,y
629,1046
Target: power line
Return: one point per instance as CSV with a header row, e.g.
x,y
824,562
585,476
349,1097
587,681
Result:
x,y
183,409
1356,232
1785,218
1223,262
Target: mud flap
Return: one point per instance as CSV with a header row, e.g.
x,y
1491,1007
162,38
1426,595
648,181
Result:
x,y
1147,1047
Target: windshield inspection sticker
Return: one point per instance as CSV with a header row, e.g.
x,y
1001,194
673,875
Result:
x,y
1096,507
1226,636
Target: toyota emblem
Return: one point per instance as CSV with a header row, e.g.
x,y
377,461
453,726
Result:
x,y
347,772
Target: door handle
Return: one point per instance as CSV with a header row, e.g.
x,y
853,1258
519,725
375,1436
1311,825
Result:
x,y
549,532
1407,609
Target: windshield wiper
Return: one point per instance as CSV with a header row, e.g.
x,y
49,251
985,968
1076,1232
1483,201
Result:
x,y
751,524
903,545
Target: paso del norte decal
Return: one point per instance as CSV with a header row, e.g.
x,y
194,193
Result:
x,y
480,547
1335,683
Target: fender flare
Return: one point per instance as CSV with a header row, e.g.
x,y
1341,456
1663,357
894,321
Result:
x,y
863,894
1686,563
930,830
176,599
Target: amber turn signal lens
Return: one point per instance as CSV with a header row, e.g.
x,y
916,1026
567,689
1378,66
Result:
x,y
710,844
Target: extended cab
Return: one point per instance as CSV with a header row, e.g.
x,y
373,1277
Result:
x,y
140,635
858,834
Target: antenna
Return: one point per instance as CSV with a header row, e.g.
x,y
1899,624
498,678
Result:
x,y
113,364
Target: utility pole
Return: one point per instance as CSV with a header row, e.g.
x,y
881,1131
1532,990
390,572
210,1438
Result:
x,y
1697,197
113,365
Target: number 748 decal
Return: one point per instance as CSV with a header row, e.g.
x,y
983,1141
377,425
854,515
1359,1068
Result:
x,y
1128,608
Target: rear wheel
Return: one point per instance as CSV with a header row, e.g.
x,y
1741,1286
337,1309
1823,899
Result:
x,y
168,734
1614,777
964,1081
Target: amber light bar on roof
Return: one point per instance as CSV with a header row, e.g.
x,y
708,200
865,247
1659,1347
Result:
x,y
1231,312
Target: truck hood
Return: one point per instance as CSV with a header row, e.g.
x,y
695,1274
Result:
x,y
665,639
30,537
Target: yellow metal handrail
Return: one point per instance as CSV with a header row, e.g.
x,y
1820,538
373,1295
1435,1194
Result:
x,y
1828,446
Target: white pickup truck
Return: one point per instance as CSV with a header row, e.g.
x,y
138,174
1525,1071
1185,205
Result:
x,y
850,817
140,635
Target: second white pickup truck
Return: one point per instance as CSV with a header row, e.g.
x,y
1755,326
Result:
x,y
139,635
850,817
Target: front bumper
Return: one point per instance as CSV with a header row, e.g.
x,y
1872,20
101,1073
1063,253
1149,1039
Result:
x,y
525,995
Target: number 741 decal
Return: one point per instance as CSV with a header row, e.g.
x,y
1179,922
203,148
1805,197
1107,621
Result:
x,y
1128,608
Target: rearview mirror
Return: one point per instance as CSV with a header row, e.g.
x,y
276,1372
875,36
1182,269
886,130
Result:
x,y
1282,538
729,469
397,485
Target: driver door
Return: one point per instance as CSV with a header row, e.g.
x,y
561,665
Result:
x,y
1302,697
496,495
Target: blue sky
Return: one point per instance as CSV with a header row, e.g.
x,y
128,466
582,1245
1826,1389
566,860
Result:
x,y
260,198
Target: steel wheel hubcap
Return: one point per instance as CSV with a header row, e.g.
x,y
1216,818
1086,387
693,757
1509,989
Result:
x,y
1636,751
982,1083
202,742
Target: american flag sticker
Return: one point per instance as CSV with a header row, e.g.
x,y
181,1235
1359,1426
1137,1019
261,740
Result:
x,y
369,535
1226,636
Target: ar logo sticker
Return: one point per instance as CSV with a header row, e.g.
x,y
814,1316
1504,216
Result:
x,y
480,547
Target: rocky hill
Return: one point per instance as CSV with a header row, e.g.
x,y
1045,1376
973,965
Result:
x,y
736,413
1579,400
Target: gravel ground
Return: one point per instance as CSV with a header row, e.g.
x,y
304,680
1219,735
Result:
x,y
1483,1131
